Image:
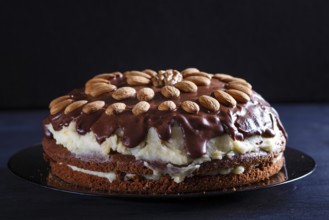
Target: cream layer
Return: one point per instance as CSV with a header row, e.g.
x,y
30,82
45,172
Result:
x,y
155,149
111,176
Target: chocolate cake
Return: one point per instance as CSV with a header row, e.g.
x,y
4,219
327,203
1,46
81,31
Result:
x,y
163,132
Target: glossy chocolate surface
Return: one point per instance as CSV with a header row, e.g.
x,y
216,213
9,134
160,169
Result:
x,y
255,117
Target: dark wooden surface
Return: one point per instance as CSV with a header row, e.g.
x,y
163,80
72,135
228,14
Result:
x,y
308,128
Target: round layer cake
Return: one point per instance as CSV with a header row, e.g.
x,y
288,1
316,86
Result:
x,y
163,132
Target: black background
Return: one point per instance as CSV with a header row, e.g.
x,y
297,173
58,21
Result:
x,y
50,47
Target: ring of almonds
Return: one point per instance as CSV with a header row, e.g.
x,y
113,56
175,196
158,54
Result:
x,y
169,83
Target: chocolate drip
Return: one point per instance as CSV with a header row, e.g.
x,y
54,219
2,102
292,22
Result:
x,y
86,121
253,118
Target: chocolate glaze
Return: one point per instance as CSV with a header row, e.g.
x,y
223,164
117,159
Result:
x,y
253,118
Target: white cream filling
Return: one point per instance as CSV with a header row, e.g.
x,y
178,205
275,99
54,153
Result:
x,y
111,176
108,175
178,174
155,149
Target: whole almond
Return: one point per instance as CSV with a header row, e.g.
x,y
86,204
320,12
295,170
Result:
x,y
124,93
224,98
136,73
170,92
115,108
186,86
240,87
137,80
101,88
140,108
109,75
198,74
145,94
150,72
91,84
209,103
95,81
223,77
190,107
57,100
167,106
189,70
59,106
198,80
75,105
237,79
93,106
239,96
240,82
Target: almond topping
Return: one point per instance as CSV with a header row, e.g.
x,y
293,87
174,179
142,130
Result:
x,y
91,84
237,79
167,106
95,81
238,95
190,70
140,108
241,83
115,108
170,92
198,80
209,103
150,72
145,94
59,106
109,75
190,107
57,100
124,93
240,87
224,98
137,73
75,105
186,86
198,74
100,89
137,80
223,77
93,106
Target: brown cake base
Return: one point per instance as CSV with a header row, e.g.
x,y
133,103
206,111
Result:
x,y
258,166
